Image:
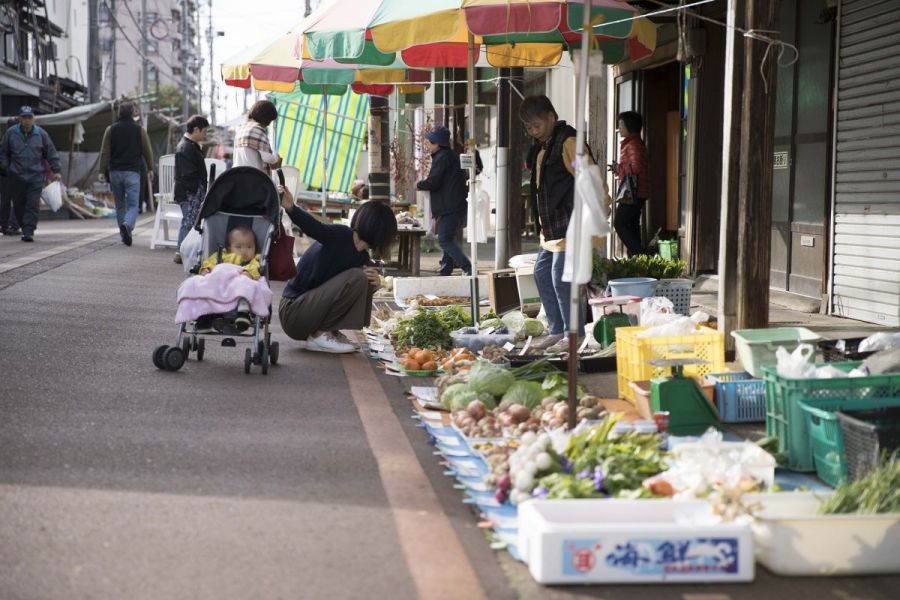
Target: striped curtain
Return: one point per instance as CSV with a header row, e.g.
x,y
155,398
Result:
x,y
301,139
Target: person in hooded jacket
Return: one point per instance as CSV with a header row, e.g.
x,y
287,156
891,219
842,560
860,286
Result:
x,y
446,182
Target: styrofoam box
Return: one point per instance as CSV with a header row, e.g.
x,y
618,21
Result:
x,y
791,539
631,541
529,298
454,285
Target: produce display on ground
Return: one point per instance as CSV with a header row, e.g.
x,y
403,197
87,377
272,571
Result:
x,y
503,434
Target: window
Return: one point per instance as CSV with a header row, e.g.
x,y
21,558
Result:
x,y
176,70
152,48
151,16
106,45
152,75
103,14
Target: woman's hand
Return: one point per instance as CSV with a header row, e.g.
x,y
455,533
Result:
x,y
373,277
287,200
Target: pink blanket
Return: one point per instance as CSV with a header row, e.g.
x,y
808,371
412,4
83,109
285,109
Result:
x,y
219,292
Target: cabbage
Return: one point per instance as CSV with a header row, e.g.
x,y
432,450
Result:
x,y
458,396
486,377
514,321
527,393
488,323
533,327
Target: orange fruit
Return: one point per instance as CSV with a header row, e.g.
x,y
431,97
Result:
x,y
423,356
429,366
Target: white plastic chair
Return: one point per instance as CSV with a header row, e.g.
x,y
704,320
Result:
x,y
220,167
167,211
291,179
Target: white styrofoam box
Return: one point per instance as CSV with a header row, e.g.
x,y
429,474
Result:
x,y
529,299
454,285
791,539
758,463
631,541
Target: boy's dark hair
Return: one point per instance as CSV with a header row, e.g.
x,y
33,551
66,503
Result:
x,y
633,121
263,112
126,110
536,107
196,122
375,224
242,228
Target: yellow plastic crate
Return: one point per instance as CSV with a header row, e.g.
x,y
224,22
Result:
x,y
633,354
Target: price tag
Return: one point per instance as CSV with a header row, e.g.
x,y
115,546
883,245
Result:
x,y
509,346
430,296
466,161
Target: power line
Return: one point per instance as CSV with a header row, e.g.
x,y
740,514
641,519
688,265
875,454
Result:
x,y
140,28
115,21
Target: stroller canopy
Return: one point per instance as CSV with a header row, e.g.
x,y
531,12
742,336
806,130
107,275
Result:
x,y
242,191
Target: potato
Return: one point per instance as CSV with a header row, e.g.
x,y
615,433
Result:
x,y
548,402
588,401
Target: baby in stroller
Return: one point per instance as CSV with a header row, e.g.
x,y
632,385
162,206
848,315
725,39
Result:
x,y
215,285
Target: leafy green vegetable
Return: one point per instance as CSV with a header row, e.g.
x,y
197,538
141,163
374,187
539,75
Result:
x,y
424,330
486,377
657,267
876,492
533,327
458,396
557,385
527,393
534,371
487,323
453,317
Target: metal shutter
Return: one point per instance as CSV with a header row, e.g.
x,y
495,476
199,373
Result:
x,y
866,269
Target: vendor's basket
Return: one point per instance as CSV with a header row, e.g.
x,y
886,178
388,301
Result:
x,y
786,419
756,348
842,350
739,397
633,354
668,249
678,291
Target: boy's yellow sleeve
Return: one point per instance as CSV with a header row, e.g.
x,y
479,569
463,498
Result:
x,y
209,263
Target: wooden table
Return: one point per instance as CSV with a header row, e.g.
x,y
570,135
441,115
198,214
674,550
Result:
x,y
409,245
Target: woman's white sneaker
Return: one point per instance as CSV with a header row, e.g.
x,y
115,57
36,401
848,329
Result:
x,y
326,342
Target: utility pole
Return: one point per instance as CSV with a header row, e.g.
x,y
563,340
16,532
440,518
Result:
x,y
113,42
501,247
379,149
95,68
516,85
756,162
308,8
211,36
144,63
185,108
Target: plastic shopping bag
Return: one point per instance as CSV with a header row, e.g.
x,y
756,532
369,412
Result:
x,y
593,223
190,250
52,196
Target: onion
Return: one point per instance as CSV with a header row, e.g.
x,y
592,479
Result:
x,y
529,438
476,409
519,413
561,411
543,461
506,420
555,423
524,481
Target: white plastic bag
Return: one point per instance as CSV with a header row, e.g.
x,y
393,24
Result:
x,y
796,364
190,250
589,193
52,195
657,310
880,341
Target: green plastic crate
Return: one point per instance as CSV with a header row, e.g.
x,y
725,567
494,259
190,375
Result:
x,y
668,249
827,444
756,348
786,419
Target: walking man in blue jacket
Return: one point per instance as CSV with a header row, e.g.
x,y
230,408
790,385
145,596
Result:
x,y
25,153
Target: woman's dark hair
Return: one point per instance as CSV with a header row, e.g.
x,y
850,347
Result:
x,y
263,112
196,122
126,110
375,224
536,107
633,121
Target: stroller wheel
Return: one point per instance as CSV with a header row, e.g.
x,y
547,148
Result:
x,y
186,347
264,360
201,347
194,343
174,358
158,356
273,353
248,360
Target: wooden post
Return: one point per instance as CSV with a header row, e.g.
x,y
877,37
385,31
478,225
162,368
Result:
x,y
756,163
379,150
731,169
516,86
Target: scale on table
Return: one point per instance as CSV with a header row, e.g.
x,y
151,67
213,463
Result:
x,y
690,412
605,327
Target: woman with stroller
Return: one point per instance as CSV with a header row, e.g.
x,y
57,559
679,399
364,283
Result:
x,y
335,283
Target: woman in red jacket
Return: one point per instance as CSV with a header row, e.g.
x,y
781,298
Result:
x,y
633,161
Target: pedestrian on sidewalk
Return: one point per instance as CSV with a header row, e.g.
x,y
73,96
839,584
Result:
x,y
632,173
553,191
251,143
125,144
190,175
29,158
446,183
8,223
335,279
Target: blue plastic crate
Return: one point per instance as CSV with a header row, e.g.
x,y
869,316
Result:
x,y
740,398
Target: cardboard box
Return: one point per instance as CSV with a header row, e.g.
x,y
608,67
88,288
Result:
x,y
503,290
529,299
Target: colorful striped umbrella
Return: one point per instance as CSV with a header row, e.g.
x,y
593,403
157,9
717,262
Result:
x,y
434,33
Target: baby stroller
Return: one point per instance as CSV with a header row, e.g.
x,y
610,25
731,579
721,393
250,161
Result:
x,y
242,195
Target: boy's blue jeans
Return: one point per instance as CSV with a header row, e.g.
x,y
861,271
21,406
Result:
x,y
554,292
126,187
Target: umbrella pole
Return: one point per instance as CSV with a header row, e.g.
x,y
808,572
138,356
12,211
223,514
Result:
x,y
325,159
470,126
575,293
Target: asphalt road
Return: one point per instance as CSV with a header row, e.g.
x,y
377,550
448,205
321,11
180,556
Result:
x,y
121,481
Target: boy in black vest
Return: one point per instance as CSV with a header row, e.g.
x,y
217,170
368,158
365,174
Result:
x,y
553,199
125,144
